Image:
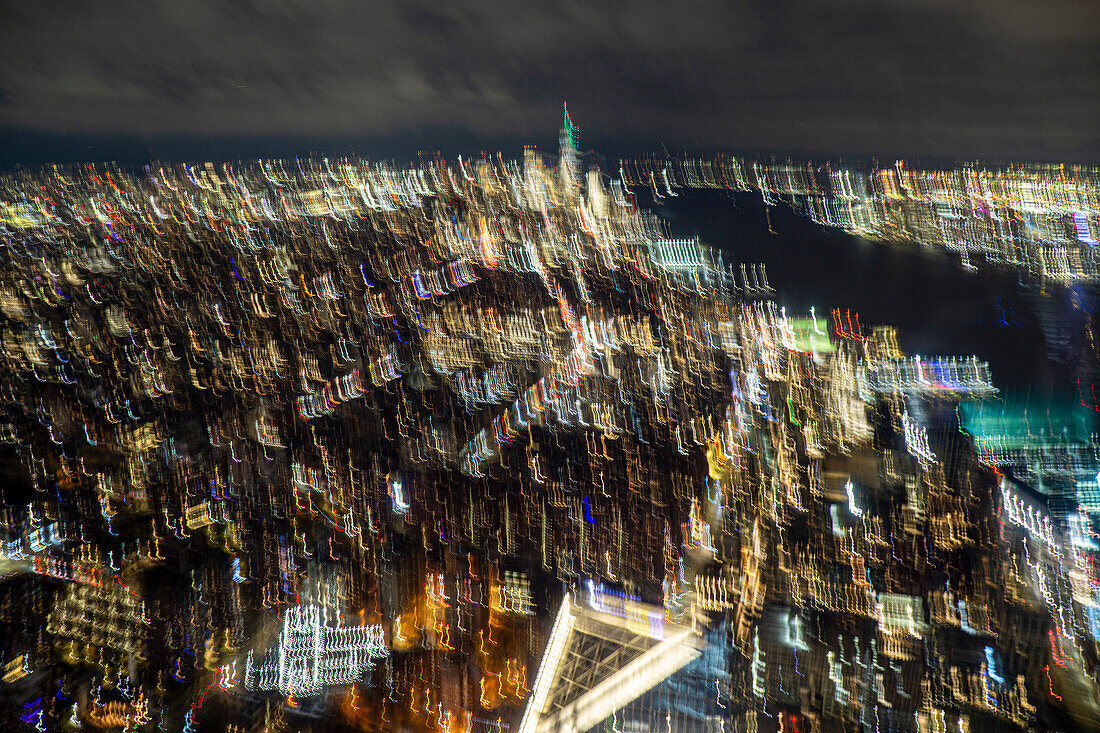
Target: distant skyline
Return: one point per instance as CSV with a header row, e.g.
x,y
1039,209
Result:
x,y
995,79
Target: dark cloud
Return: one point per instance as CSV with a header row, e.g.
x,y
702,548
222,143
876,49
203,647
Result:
x,y
1001,78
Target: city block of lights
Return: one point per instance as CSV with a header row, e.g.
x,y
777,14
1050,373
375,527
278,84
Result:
x,y
477,446
1041,220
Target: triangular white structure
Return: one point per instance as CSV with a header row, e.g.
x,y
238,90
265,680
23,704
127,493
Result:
x,y
601,656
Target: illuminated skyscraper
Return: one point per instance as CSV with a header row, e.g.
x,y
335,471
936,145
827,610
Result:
x,y
570,161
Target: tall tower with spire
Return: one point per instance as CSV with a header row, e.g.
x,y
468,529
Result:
x,y
568,142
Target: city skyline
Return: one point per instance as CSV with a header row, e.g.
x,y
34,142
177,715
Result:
x,y
318,442
337,393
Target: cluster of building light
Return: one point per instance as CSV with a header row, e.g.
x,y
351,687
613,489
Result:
x,y
437,394
1044,219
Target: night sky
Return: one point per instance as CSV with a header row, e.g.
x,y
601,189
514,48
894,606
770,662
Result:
x,y
171,78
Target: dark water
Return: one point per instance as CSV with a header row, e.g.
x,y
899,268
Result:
x,y
1034,337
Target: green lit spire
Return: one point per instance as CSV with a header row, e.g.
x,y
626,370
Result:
x,y
567,125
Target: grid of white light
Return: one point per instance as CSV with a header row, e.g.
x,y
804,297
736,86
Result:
x,y
312,655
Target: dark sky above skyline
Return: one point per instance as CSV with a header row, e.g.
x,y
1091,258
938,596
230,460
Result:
x,y
969,78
